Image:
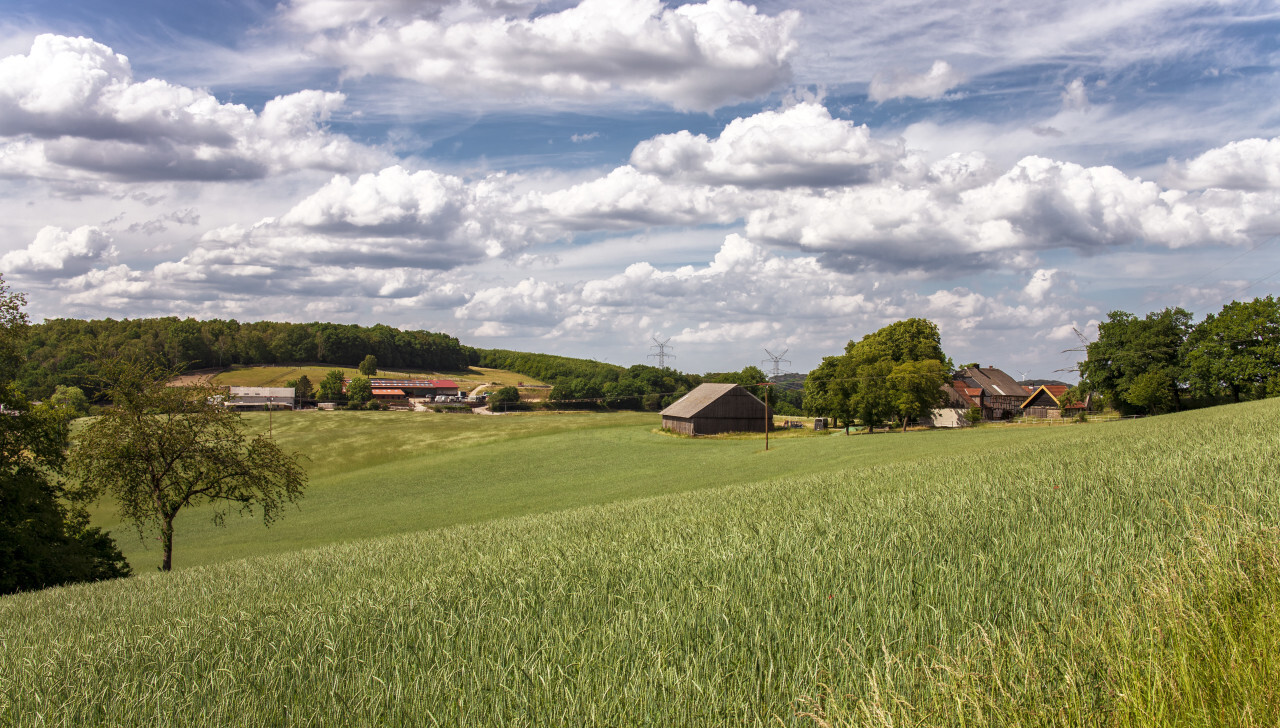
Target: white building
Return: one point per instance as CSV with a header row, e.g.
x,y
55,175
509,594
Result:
x,y
260,397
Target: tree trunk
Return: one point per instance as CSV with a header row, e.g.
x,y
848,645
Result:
x,y
1235,393
166,543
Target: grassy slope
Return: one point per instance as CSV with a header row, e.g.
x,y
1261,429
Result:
x,y
721,607
382,473
278,376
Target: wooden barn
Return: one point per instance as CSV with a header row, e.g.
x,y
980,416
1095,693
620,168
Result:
x,y
1046,402
714,408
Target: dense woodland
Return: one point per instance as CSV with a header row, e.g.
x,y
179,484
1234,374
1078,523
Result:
x,y
68,351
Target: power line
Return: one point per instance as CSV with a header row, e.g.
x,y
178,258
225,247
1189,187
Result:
x,y
777,360
662,354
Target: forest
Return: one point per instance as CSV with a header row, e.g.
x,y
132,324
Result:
x,y
69,352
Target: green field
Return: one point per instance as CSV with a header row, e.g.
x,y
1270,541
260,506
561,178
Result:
x,y
586,570
383,473
277,376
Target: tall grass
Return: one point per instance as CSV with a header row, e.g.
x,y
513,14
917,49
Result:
x,y
1111,579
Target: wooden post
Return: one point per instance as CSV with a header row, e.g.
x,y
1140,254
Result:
x,y
766,415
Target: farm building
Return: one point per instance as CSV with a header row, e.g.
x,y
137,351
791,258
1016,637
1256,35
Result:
x,y
1046,402
714,408
393,390
1000,397
952,414
416,387
252,398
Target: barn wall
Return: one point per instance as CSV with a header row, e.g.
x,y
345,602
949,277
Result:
x,y
717,425
945,417
679,425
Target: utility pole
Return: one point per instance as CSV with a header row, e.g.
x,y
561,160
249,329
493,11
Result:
x,y
777,360
662,354
768,419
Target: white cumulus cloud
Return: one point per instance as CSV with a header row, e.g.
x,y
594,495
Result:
x,y
1248,164
932,84
696,56
61,253
801,145
72,106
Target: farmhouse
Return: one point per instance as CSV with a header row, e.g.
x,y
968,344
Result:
x,y
999,396
714,408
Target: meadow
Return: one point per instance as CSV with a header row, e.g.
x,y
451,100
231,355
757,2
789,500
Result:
x,y
1125,573
383,473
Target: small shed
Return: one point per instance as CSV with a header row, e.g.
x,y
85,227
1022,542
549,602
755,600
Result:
x,y
714,408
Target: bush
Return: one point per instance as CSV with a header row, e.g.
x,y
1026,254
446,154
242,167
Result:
x,y
503,397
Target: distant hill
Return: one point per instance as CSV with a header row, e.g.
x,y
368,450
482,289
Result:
x,y
1042,382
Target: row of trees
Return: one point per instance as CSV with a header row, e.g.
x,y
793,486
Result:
x,y
1155,363
644,387
894,374
68,351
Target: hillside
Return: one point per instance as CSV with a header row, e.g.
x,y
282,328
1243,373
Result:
x,y
1009,576
383,473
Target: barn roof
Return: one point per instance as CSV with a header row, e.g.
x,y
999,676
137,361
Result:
x,y
956,396
701,396
994,381
413,383
388,392
1055,391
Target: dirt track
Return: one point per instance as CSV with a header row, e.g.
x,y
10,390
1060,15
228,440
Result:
x,y
196,376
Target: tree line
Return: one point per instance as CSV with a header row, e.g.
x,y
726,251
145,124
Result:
x,y
1163,362
69,351
588,383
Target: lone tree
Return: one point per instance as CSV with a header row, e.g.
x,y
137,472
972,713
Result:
x,y
369,366
161,448
302,390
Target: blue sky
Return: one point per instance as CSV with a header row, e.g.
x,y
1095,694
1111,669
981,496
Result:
x,y
578,177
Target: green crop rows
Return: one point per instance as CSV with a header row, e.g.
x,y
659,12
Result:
x,y
1112,574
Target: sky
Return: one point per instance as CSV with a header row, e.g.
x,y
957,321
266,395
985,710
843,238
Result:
x,y
587,178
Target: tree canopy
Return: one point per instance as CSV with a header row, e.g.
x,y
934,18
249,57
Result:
x,y
897,371
1237,348
332,387
45,539
359,390
1128,348
159,449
